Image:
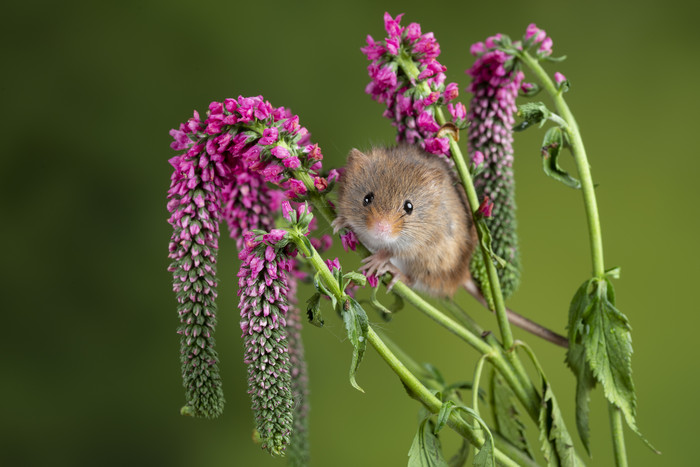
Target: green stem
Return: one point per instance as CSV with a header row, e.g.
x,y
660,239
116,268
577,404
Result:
x,y
432,403
618,435
579,153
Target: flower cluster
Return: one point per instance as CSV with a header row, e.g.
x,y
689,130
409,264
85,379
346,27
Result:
x,y
227,160
495,85
407,77
537,37
194,204
264,304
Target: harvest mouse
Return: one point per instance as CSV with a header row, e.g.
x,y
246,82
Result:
x,y
409,209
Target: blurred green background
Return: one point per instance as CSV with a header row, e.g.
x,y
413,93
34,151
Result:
x,y
90,89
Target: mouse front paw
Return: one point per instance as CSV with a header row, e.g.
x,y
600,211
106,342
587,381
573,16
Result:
x,y
379,264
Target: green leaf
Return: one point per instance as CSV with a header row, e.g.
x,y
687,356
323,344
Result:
x,y
532,113
426,450
313,310
549,58
355,277
506,415
556,443
551,148
608,347
356,324
444,415
552,429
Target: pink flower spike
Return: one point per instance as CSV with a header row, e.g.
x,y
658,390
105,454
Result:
x,y
280,152
486,207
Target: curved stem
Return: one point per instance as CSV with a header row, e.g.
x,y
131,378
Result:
x,y
579,153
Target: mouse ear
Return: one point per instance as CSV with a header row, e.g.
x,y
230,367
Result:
x,y
356,156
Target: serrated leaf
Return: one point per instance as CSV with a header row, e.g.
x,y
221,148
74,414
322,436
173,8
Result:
x,y
426,450
552,429
608,349
313,310
356,325
506,415
555,440
551,148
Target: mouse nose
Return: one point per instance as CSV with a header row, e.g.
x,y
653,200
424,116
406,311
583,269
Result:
x,y
382,228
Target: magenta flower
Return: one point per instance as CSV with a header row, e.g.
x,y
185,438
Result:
x,y
349,240
486,207
559,78
263,304
495,85
333,265
407,77
477,158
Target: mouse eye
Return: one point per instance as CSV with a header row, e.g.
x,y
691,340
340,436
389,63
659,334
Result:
x,y
408,207
368,199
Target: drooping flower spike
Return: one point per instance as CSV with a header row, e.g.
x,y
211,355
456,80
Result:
x,y
494,87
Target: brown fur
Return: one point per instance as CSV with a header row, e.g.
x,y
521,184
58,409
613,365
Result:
x,y
435,242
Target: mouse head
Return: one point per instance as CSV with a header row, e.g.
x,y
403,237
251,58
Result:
x,y
386,196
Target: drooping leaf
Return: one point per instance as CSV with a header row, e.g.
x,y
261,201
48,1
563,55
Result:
x,y
553,431
506,415
355,277
356,325
426,450
444,415
555,440
313,310
551,148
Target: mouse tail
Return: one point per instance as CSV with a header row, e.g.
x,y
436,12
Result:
x,y
518,319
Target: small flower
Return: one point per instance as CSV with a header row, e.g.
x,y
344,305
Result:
x,y
486,207
292,162
270,136
333,175
287,211
372,280
297,187
320,183
451,91
280,152
477,158
349,240
559,78
333,265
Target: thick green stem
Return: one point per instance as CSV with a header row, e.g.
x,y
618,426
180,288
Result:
x,y
579,153
618,435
